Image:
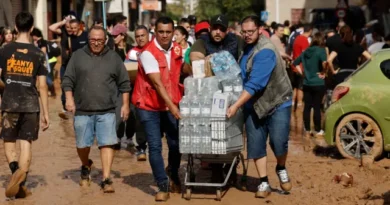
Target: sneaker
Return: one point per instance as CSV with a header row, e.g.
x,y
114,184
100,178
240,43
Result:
x,y
141,155
163,192
321,133
284,180
263,190
23,193
320,140
14,185
106,186
85,177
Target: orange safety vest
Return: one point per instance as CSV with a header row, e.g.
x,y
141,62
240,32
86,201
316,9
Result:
x,y
145,96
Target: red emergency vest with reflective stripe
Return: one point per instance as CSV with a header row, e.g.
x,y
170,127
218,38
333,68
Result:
x,y
145,95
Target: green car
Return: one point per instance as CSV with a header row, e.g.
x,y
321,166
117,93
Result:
x,y
358,120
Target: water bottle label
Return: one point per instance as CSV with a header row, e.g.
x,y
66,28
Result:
x,y
237,88
195,111
206,111
228,89
185,111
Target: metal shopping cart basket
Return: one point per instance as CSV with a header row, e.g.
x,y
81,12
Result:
x,y
212,140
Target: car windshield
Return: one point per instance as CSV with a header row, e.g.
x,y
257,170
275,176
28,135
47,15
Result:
x,y
359,69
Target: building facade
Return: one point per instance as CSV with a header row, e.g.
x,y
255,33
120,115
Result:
x,y
295,10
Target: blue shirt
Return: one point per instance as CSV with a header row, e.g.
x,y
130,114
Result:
x,y
264,63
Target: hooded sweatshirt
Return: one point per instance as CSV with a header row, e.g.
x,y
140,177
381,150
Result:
x,y
312,59
95,80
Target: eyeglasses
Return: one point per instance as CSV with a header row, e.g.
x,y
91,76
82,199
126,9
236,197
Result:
x,y
98,41
248,32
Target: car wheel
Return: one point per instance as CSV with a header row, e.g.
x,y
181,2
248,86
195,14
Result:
x,y
357,135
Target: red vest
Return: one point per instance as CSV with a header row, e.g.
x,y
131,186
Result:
x,y
145,95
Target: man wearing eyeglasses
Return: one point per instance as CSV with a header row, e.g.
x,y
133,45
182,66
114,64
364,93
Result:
x,y
93,76
266,100
217,40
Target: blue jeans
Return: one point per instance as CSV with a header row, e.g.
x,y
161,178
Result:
x,y
102,126
151,122
62,73
276,126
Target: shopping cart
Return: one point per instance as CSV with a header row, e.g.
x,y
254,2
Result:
x,y
212,140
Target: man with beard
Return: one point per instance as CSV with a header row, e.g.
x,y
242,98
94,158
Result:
x,y
266,100
217,40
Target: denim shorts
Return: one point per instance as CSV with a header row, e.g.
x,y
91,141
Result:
x,y
276,126
102,126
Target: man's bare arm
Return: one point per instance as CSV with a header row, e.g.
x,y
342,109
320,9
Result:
x,y
56,27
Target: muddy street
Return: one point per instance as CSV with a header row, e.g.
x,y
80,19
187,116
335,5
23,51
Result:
x,y
54,176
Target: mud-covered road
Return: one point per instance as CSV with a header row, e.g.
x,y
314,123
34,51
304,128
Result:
x,y
54,176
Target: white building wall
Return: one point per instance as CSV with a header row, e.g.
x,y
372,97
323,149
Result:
x,y
285,7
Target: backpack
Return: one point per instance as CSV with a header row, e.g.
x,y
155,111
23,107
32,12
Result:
x,y
53,49
292,40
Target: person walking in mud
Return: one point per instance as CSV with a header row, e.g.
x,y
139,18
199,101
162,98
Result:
x,y
93,76
142,40
156,97
266,100
24,104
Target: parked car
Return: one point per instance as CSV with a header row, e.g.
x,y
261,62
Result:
x,y
358,120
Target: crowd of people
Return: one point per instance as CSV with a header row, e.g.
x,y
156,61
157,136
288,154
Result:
x,y
282,68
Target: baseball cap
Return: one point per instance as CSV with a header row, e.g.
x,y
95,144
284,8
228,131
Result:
x,y
200,26
220,20
119,29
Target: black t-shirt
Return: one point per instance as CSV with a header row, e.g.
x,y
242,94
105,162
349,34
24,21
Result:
x,y
334,42
20,64
78,42
42,43
348,55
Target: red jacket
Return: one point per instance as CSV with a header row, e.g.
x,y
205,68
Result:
x,y
145,95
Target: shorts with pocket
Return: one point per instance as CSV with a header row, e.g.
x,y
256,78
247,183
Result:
x,y
102,126
19,126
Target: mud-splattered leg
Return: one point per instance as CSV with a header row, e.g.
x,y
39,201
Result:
x,y
25,155
10,151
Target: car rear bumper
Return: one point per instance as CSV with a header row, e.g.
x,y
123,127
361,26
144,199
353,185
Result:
x,y
332,116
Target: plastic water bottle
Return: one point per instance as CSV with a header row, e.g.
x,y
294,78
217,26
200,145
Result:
x,y
190,87
238,86
185,140
227,86
184,106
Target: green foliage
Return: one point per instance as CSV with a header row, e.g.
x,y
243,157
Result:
x,y
176,10
235,10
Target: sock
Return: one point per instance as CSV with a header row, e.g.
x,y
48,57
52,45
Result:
x,y
14,166
280,167
263,179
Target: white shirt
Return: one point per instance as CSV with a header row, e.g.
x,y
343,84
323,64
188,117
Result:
x,y
191,40
375,47
149,62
